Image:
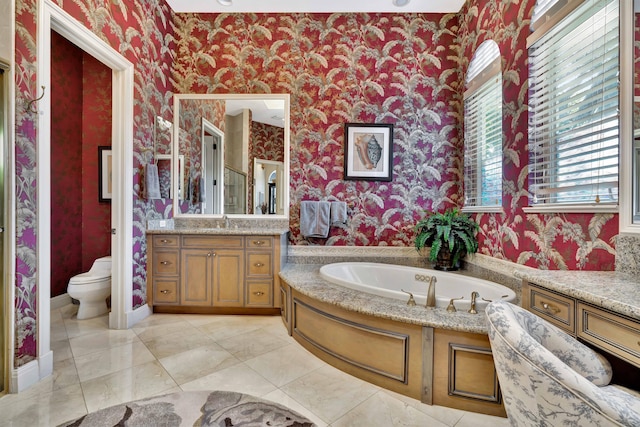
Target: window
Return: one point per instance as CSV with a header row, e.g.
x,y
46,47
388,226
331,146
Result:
x,y
573,101
483,130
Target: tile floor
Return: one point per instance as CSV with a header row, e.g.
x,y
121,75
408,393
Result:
x,y
95,367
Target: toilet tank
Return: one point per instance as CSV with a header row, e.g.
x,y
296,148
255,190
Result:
x,y
101,265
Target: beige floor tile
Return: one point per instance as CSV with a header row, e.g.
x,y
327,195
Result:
x,y
239,378
129,384
253,344
285,364
198,362
112,360
101,341
471,419
448,416
64,374
76,328
61,350
164,328
177,342
48,410
329,393
282,398
222,327
382,410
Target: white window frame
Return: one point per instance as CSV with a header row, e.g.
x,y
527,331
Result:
x,y
482,98
560,13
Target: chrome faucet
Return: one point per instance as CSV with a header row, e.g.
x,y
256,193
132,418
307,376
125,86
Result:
x,y
431,293
226,221
474,295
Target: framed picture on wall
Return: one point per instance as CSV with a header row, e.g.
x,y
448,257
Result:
x,y
105,169
368,152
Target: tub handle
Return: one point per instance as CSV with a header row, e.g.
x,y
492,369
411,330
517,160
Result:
x,y
451,308
411,300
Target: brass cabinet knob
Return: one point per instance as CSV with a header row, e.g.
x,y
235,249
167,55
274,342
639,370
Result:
x,y
258,264
165,262
258,242
258,293
164,241
164,291
210,254
549,308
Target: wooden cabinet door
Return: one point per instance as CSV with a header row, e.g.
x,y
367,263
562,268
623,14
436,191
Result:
x,y
196,277
228,278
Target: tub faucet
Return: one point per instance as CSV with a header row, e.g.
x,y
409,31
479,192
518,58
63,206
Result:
x,y
474,295
431,293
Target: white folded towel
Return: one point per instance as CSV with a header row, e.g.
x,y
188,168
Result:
x,y
314,218
152,181
338,213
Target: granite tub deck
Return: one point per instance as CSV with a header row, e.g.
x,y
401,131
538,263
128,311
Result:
x,y
305,278
615,291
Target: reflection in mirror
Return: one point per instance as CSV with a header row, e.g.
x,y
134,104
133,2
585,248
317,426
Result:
x,y
219,138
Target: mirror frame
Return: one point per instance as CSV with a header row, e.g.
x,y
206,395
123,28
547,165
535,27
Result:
x,y
176,141
628,191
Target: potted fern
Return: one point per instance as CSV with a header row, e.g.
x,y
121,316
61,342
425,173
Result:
x,y
449,235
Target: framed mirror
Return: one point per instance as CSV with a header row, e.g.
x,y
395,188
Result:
x,y
234,151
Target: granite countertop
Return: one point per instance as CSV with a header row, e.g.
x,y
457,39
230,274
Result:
x,y
240,231
615,291
305,278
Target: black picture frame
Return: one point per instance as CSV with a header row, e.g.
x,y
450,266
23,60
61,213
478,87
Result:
x,y
105,170
368,151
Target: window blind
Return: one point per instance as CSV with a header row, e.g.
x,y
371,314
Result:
x,y
483,129
573,99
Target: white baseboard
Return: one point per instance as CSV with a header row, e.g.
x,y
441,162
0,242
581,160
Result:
x,y
138,314
27,375
60,301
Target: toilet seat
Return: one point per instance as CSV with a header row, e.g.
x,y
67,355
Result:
x,y
88,278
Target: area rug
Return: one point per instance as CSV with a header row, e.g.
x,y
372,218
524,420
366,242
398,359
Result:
x,y
195,408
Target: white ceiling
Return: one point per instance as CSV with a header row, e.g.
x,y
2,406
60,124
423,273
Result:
x,y
315,6
270,112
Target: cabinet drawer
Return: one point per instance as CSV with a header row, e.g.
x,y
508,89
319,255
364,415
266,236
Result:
x,y
259,242
165,291
259,294
552,307
166,263
259,264
613,333
165,241
212,241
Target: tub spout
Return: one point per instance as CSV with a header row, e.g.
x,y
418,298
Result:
x,y
431,293
474,295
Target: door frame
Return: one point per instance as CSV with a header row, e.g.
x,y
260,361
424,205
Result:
x,y
218,163
52,17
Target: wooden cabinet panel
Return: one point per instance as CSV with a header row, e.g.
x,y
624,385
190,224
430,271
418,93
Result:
x,y
165,291
196,278
261,242
166,262
165,241
551,306
259,294
212,242
259,264
228,278
611,332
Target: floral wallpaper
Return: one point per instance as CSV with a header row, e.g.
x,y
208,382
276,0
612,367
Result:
x,y
142,31
369,68
551,241
404,69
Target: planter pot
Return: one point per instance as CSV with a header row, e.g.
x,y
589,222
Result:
x,y
444,262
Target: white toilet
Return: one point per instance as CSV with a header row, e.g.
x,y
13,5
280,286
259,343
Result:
x,y
92,289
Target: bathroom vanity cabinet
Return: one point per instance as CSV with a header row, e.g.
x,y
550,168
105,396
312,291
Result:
x,y
199,273
612,332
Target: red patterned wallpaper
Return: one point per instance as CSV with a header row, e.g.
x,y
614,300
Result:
x,y
267,143
66,162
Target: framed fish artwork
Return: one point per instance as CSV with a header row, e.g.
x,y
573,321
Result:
x,y
368,151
